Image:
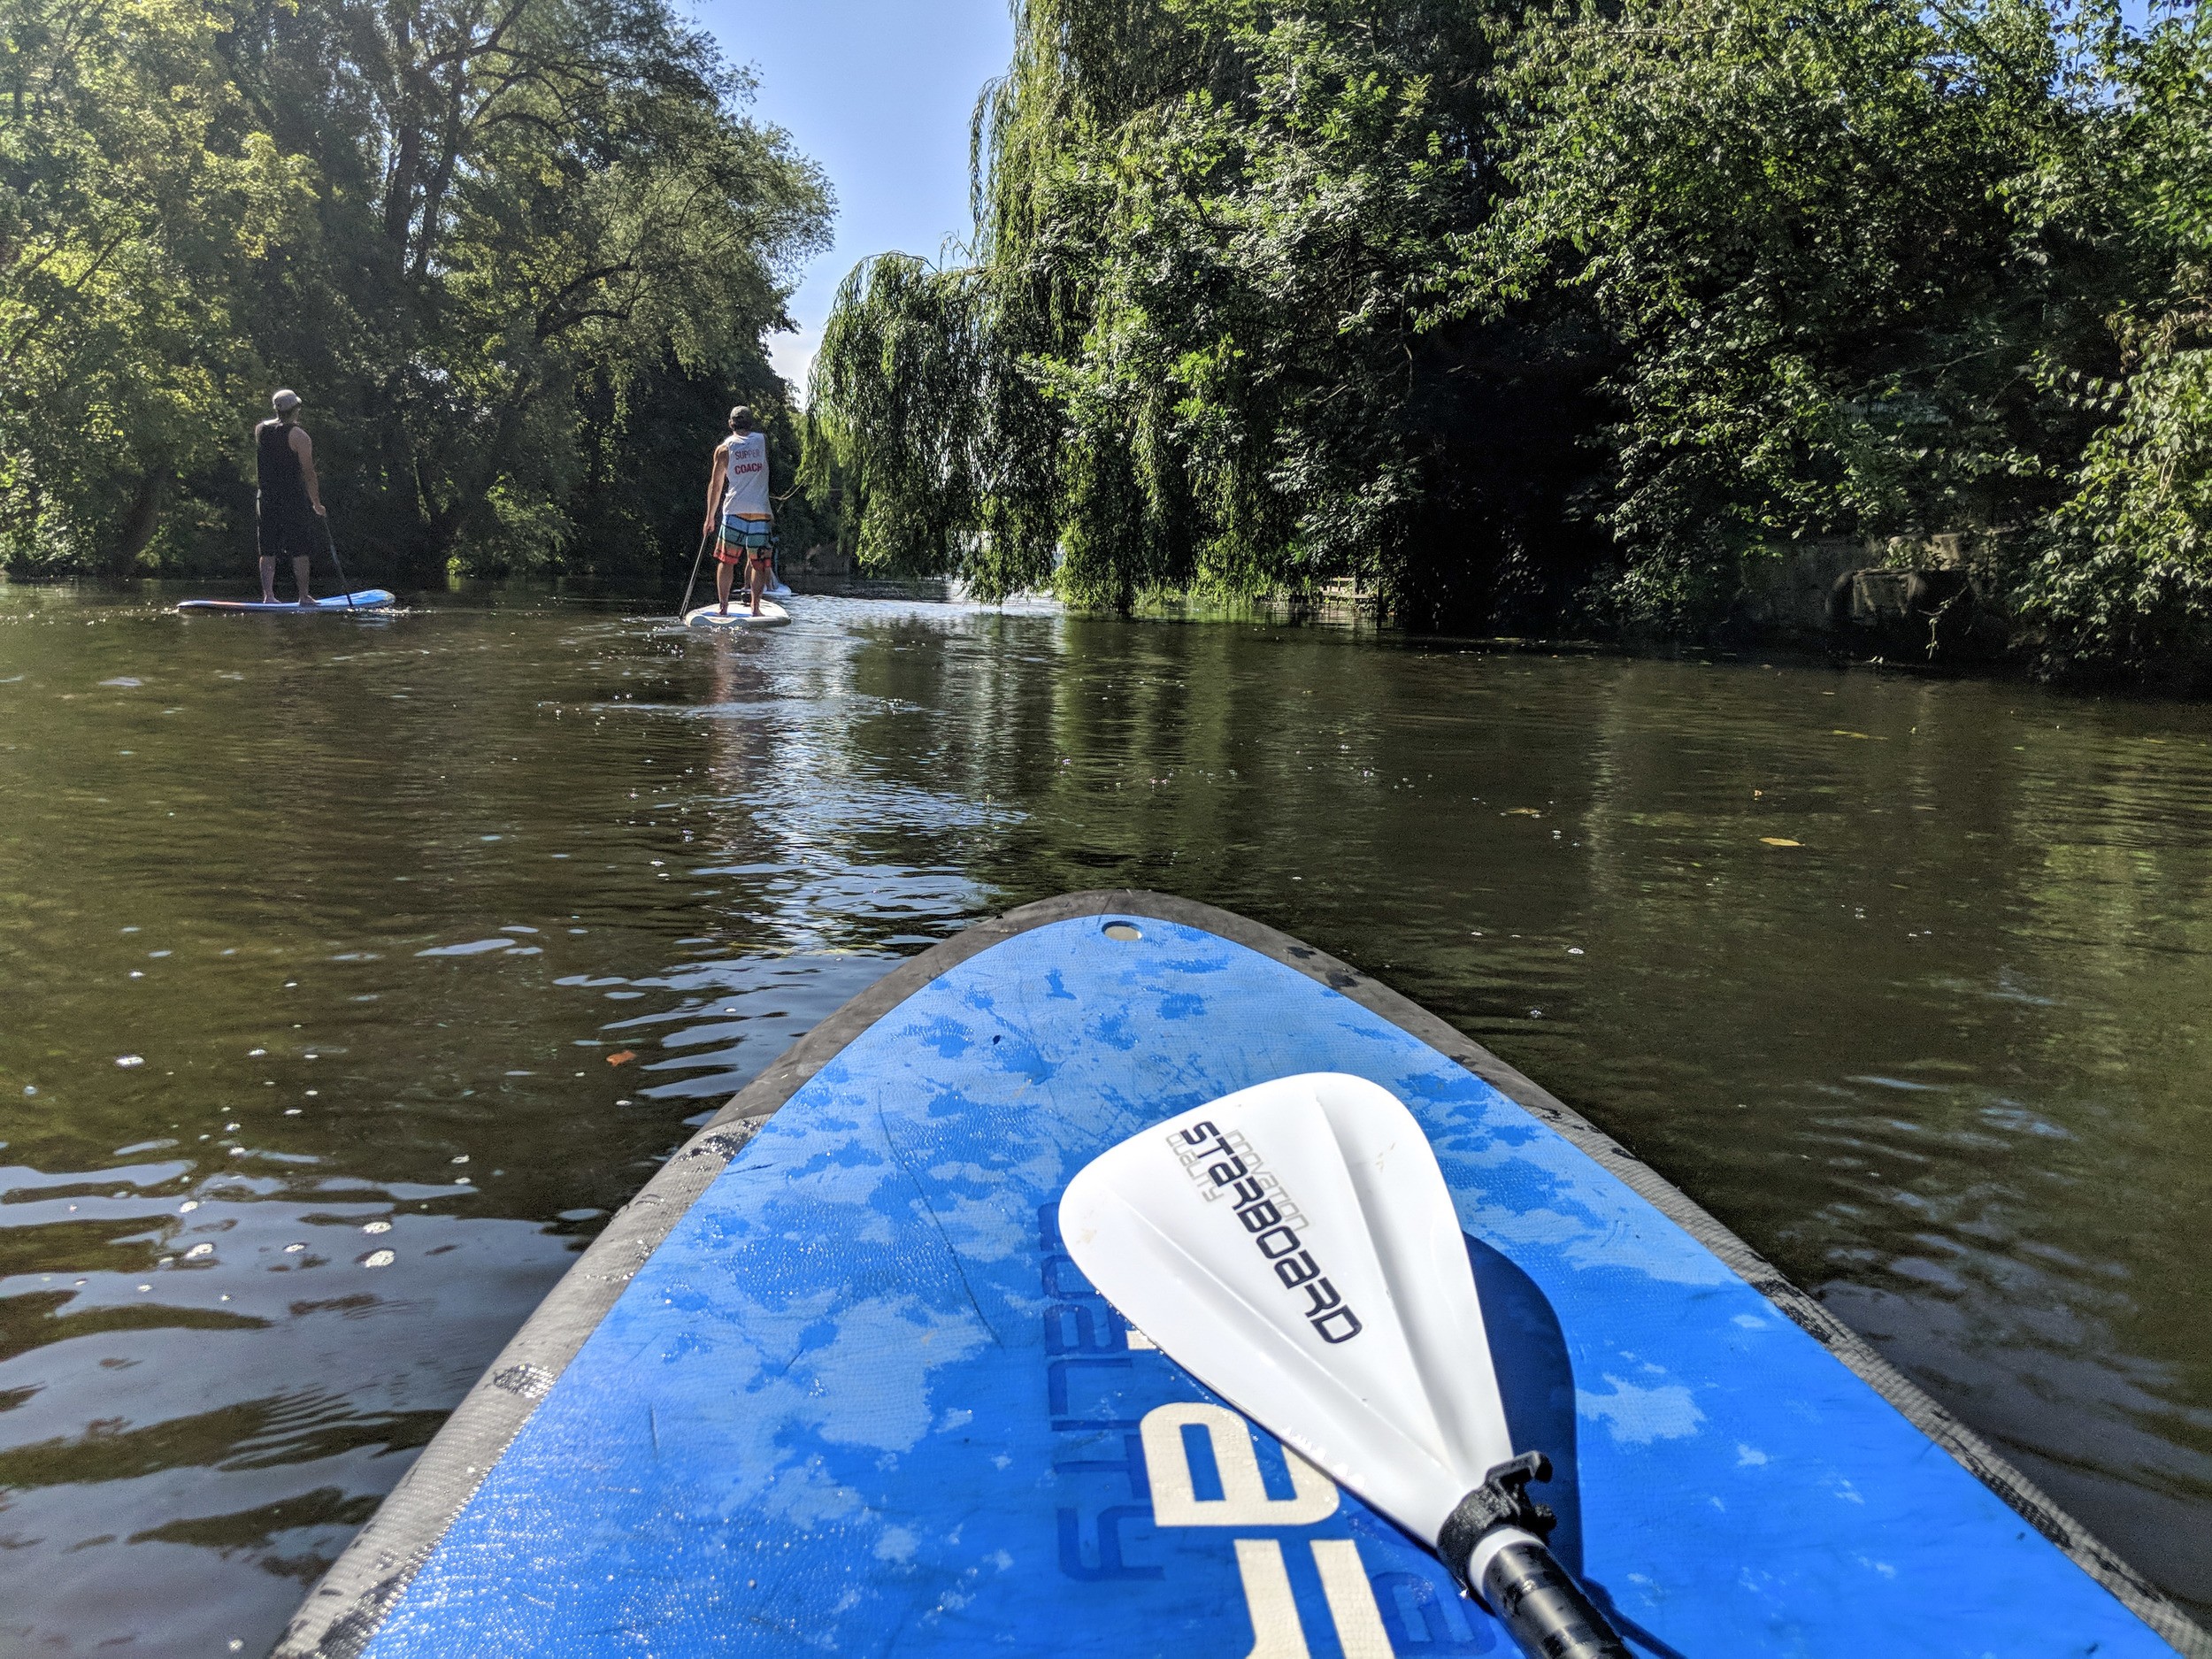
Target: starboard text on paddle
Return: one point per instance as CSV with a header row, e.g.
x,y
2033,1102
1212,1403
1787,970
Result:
x,y
1269,1215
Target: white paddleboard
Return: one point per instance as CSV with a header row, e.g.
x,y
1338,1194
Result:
x,y
740,616
366,599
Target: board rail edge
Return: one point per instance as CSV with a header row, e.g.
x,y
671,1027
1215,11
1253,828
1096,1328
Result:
x,y
347,1607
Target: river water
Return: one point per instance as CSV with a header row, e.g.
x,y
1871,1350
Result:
x,y
352,971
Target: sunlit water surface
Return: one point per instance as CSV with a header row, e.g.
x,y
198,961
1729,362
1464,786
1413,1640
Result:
x,y
352,971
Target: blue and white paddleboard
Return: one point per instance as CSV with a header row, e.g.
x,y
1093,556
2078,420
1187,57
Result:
x,y
366,599
831,1385
739,615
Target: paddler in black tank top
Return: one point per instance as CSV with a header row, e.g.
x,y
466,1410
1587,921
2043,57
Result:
x,y
291,501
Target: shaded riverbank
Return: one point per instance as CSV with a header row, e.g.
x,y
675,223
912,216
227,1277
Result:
x,y
1901,979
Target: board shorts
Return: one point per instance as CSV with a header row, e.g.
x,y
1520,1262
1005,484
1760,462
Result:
x,y
744,537
287,532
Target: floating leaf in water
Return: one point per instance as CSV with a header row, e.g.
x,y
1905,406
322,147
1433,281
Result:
x,y
125,682
1520,812
624,1058
378,1258
1778,840
1862,736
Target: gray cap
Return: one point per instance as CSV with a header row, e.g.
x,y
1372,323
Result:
x,y
285,401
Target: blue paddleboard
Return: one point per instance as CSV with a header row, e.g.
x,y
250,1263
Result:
x,y
366,599
831,1385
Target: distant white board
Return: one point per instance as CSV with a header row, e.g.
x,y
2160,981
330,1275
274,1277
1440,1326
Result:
x,y
367,599
740,616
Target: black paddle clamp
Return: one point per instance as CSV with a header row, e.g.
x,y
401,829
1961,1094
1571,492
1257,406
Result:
x,y
1501,1500
1535,1598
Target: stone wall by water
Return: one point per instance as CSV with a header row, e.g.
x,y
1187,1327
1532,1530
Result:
x,y
1906,598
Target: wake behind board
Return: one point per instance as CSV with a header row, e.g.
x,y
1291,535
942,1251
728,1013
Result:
x,y
366,599
740,616
832,1383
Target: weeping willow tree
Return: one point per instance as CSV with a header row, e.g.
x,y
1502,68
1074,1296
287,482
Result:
x,y
1187,349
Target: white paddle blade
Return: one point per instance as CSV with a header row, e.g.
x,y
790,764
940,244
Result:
x,y
1294,1246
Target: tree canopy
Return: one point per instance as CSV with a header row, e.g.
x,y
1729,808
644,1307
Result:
x,y
1553,314
505,249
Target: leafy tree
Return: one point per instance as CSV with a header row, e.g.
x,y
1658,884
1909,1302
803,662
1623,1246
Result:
x,y
481,236
2123,580
134,184
1790,226
526,196
1196,346
1555,314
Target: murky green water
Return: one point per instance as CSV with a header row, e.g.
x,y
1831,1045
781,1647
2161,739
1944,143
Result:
x,y
321,940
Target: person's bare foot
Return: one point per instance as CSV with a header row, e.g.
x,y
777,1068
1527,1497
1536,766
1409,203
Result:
x,y
307,602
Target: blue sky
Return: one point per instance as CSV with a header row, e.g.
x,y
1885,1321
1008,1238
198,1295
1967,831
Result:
x,y
880,95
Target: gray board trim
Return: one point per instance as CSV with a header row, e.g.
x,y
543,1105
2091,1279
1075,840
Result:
x,y
343,1612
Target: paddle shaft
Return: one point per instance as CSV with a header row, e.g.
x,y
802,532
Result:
x,y
345,582
1538,1601
684,610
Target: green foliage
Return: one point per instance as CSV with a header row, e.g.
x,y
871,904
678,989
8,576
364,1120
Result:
x,y
899,362
1789,226
2123,580
499,246
1189,352
640,488
1548,315
133,184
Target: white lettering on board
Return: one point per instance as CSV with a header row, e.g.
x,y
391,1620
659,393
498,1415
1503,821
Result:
x,y
1243,1501
1276,1631
1359,1626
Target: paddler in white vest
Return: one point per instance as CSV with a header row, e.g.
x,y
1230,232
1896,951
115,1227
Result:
x,y
738,510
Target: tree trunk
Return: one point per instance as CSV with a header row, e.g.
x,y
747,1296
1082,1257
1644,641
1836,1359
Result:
x,y
140,519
